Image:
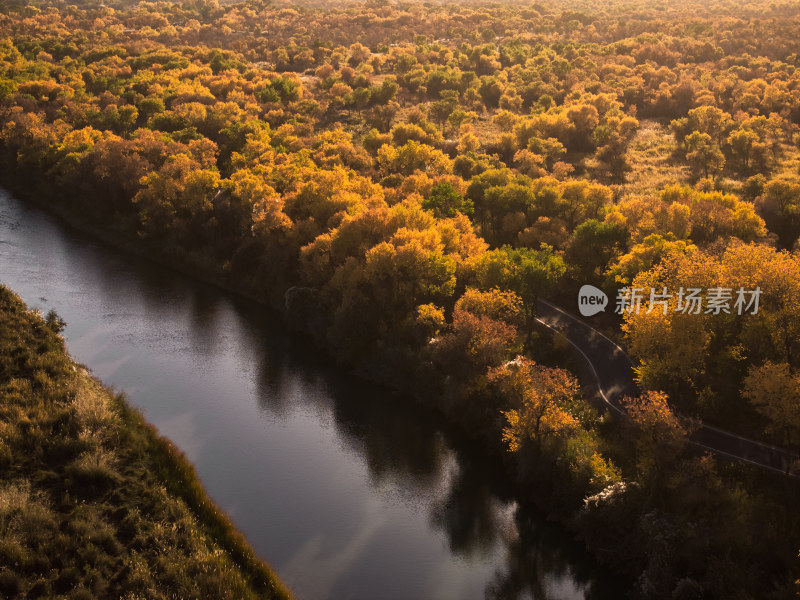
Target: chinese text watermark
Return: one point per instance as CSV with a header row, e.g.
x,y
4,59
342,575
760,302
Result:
x,y
689,301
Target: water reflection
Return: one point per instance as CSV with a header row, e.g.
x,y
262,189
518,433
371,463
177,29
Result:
x,y
348,490
472,515
466,499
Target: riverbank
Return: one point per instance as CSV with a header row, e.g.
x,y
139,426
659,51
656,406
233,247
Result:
x,y
552,351
93,502
273,427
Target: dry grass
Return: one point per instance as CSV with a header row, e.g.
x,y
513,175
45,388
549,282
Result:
x,y
789,164
653,167
650,158
97,465
484,128
86,486
14,496
93,408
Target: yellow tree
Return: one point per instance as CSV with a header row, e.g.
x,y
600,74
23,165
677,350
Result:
x,y
773,332
775,392
475,343
325,196
659,434
260,201
645,255
693,350
671,345
495,304
411,157
543,400
177,197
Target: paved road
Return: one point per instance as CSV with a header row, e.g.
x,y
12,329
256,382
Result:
x,y
613,369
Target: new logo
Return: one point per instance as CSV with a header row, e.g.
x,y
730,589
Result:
x,y
591,300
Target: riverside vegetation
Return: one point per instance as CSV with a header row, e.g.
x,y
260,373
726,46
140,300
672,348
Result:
x,y
93,502
405,180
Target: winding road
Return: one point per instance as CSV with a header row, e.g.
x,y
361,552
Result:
x,y
614,371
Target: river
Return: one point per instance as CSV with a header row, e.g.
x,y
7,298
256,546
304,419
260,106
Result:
x,y
346,490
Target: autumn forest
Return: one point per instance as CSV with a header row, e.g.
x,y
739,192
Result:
x,y
406,182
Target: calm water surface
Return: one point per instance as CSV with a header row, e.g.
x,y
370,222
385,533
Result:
x,y
347,491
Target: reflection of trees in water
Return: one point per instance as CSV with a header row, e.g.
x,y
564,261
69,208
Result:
x,y
479,521
136,285
399,440
287,371
531,563
542,564
274,377
403,444
471,514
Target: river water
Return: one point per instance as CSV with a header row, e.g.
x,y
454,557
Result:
x,y
347,491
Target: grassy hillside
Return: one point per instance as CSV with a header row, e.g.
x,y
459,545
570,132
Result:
x,y
93,503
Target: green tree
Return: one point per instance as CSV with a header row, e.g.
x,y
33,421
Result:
x,y
703,156
445,202
779,206
594,245
526,272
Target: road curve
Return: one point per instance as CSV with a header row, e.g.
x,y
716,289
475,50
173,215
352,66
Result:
x,y
614,372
